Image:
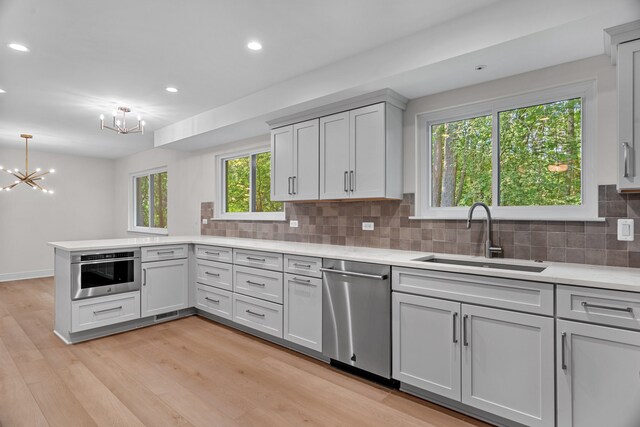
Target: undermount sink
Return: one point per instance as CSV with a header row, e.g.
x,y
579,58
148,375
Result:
x,y
483,264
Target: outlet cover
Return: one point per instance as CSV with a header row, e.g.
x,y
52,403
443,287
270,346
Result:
x,y
625,230
205,221
368,226
293,223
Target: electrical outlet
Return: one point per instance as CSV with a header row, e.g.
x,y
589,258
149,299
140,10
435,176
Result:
x,y
625,230
367,226
205,221
293,223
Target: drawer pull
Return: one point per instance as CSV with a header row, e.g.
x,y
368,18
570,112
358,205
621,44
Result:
x,y
250,258
217,301
564,344
107,310
588,305
302,265
299,280
249,282
212,253
254,313
166,252
455,334
208,273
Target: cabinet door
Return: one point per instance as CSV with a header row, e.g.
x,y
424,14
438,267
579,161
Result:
x,y
367,155
334,156
282,163
306,160
629,115
164,286
508,364
426,343
303,311
598,376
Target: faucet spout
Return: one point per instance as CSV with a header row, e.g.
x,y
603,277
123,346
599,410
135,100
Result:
x,y
489,248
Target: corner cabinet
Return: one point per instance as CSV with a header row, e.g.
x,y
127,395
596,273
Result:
x,y
629,116
361,153
295,162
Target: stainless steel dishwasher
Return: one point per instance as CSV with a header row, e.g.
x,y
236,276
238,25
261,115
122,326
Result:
x,y
356,315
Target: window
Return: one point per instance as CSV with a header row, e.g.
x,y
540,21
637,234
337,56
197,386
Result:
x,y
245,191
149,202
528,157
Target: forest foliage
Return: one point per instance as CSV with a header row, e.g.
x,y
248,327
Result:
x,y
540,164
239,174
146,199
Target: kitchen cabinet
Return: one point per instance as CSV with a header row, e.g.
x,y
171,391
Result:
x,y
295,162
361,153
629,116
164,286
303,311
103,311
597,375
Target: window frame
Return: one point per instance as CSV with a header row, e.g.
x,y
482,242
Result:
x,y
221,196
587,211
133,202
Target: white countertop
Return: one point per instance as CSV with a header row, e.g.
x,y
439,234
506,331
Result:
x,y
617,278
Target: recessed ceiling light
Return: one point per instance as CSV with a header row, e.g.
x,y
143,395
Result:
x,y
254,45
18,47
171,89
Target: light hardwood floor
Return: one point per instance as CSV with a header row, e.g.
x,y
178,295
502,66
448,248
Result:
x,y
186,372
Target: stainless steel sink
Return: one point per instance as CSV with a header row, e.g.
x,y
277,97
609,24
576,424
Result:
x,y
483,264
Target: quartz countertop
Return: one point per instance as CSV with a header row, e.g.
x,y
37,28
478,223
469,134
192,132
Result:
x,y
616,278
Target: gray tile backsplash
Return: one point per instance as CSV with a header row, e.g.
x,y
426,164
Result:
x,y
340,223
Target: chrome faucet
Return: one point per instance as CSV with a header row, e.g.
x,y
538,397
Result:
x,y
489,249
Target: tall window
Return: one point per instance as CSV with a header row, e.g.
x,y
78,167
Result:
x,y
149,202
525,156
246,188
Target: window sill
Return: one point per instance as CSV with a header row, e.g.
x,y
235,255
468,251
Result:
x,y
158,231
479,216
266,216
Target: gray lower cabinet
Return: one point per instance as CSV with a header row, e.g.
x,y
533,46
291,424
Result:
x,y
258,314
103,311
214,300
598,376
164,286
498,361
303,311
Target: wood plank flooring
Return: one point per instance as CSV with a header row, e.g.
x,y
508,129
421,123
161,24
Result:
x,y
189,372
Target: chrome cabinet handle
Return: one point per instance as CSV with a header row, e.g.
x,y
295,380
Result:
x,y
563,350
626,147
144,277
208,273
351,181
464,330
254,313
587,305
212,253
249,282
455,335
293,186
108,310
346,175
302,265
299,280
166,252
354,274
217,301
256,259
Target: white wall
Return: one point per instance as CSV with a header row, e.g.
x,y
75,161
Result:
x,y
80,208
597,68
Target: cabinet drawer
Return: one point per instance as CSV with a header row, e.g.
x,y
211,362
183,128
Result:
x,y
215,301
306,266
257,314
267,260
158,253
214,273
102,311
214,253
258,283
531,297
614,308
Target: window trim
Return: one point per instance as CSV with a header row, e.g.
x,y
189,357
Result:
x,y
219,207
133,228
587,211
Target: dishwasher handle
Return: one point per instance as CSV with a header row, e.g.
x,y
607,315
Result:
x,y
355,274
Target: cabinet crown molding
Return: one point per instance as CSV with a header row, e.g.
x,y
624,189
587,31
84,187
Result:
x,y
384,95
613,36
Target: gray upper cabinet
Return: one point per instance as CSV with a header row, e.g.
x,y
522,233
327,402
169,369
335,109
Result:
x,y
295,162
629,116
361,153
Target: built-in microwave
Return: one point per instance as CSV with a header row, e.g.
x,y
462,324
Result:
x,y
104,273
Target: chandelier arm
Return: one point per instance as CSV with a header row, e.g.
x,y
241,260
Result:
x,y
37,185
38,176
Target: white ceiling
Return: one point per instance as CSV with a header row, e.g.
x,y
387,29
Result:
x,y
88,57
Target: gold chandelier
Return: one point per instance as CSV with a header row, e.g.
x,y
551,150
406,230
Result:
x,y
27,177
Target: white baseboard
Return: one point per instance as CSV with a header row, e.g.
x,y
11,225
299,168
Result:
x,y
5,277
